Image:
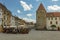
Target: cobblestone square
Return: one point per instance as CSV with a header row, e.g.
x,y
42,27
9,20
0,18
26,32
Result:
x,y
33,35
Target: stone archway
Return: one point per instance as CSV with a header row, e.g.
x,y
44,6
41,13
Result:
x,y
53,27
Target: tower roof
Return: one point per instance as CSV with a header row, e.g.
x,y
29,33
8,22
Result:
x,y
41,7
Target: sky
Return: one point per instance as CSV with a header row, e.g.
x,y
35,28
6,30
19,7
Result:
x,y
26,9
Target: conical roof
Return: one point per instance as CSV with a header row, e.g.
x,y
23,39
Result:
x,y
41,7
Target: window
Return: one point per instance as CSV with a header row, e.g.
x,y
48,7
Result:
x,y
41,11
0,9
51,18
4,17
0,21
56,22
38,15
48,18
59,18
50,22
0,13
4,24
56,18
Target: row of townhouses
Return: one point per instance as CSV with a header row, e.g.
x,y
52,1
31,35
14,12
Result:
x,y
8,20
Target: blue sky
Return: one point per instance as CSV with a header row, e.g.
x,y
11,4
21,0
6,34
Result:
x,y
26,9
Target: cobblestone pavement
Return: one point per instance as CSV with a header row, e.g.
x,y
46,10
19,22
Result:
x,y
33,35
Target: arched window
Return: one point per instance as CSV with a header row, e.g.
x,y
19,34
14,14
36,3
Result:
x,y
56,18
51,18
56,22
50,22
48,18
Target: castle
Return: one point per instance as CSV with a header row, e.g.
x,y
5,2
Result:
x,y
46,19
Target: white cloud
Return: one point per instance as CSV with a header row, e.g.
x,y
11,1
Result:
x,y
20,17
55,0
29,20
31,5
29,15
53,8
18,11
26,6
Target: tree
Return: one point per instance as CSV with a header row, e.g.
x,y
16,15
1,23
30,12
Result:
x,y
53,26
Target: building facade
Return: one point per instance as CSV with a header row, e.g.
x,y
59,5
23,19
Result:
x,y
46,19
12,23
7,20
5,16
53,18
1,28
19,22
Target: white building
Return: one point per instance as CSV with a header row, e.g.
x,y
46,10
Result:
x,y
12,22
1,16
53,18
